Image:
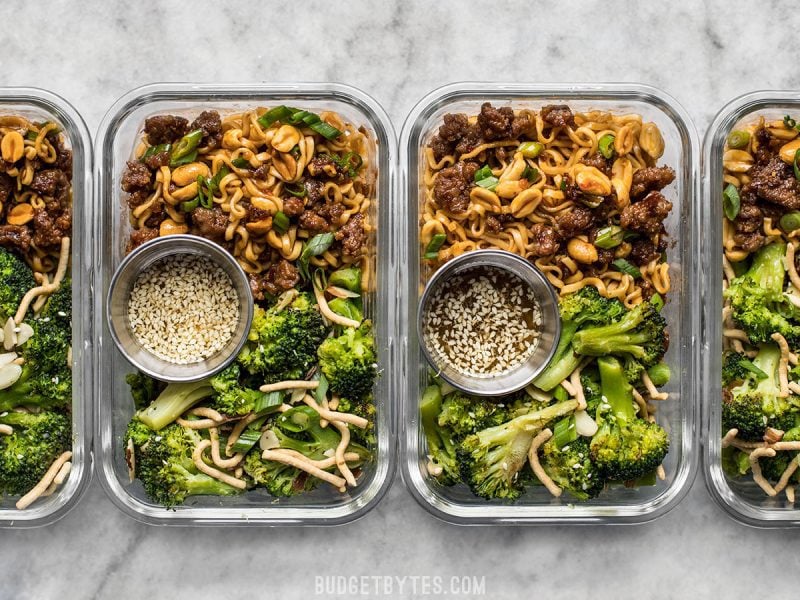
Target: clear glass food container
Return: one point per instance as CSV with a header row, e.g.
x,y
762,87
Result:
x,y
117,137
679,415
42,105
742,499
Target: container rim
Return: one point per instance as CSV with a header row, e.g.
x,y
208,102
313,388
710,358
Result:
x,y
261,514
82,408
687,470
716,483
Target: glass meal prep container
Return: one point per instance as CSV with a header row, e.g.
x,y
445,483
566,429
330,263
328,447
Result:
x,y
42,106
118,135
679,415
741,498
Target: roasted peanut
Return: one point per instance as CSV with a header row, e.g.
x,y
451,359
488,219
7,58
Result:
x,y
789,150
259,227
593,181
186,174
12,146
623,141
778,130
737,161
170,227
508,189
186,192
583,252
286,138
286,166
651,141
20,214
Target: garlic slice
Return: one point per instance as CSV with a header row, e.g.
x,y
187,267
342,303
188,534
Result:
x,y
269,441
9,334
7,358
340,292
584,424
9,375
25,333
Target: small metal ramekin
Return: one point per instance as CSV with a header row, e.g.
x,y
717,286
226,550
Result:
x,y
117,307
518,377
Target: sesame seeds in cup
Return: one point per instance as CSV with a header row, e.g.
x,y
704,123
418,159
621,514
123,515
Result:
x,y
179,308
488,322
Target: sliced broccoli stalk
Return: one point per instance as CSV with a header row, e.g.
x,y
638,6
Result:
x,y
625,447
175,400
440,445
490,461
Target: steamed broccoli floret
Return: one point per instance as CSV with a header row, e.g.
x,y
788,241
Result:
x,y
757,301
364,408
756,404
231,396
590,380
348,362
625,447
172,402
298,429
735,462
282,344
165,466
59,305
25,455
640,334
571,468
773,467
490,460
16,278
463,414
441,448
144,389
584,307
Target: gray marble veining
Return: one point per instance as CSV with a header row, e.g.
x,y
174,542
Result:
x,y
703,53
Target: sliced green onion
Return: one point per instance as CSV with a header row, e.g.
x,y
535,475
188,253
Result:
x,y
530,149
790,221
563,185
432,249
218,176
240,163
657,301
32,135
731,202
531,174
795,165
482,173
789,122
748,365
278,113
560,394
298,190
268,403
738,139
153,150
565,432
349,279
206,198
321,393
490,183
185,151
190,205
280,222
246,441
609,237
295,419
606,145
624,266
329,132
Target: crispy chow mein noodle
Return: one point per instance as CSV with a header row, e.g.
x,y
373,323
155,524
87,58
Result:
x,y
761,198
259,188
547,190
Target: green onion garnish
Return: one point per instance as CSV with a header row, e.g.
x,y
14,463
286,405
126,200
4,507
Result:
x,y
329,132
298,190
240,163
295,116
490,183
482,173
205,198
531,174
530,149
563,185
606,145
564,431
153,150
749,366
738,139
246,441
432,249
185,151
624,266
609,237
280,222
190,205
795,164
278,113
789,122
268,403
731,202
790,221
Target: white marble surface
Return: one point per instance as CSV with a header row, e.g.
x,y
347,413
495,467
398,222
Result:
x,y
703,53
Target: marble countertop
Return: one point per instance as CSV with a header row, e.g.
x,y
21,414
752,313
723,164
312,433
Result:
x,y
702,53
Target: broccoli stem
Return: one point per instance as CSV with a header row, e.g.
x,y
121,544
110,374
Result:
x,y
175,400
767,269
564,361
619,337
768,360
201,484
616,389
429,408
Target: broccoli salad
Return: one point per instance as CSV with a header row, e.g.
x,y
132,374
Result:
x,y
293,412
